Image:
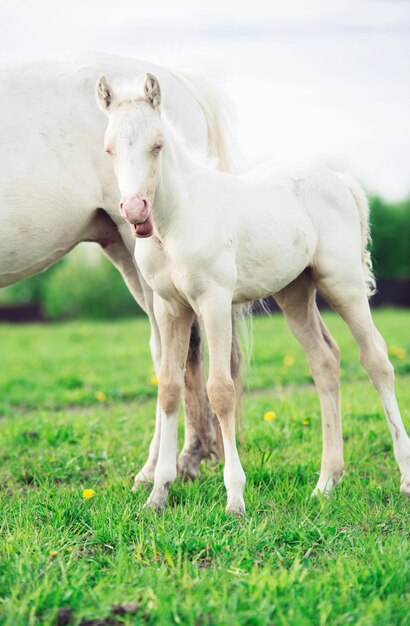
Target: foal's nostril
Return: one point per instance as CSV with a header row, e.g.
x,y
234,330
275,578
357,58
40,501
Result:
x,y
123,211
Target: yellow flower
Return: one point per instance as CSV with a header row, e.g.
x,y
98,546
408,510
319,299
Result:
x,y
305,422
269,416
100,396
154,379
53,553
288,360
398,352
88,493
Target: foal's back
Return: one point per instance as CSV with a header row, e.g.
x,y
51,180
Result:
x,y
288,217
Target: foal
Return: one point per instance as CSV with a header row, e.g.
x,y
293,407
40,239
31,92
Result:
x,y
206,240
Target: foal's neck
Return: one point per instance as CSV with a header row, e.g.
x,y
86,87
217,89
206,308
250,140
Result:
x,y
178,168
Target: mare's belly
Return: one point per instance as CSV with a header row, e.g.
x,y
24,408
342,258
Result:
x,y
31,243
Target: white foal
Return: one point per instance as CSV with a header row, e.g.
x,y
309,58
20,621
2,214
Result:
x,y
206,240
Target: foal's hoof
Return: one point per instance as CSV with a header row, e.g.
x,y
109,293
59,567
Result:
x,y
157,499
405,488
326,486
143,478
236,507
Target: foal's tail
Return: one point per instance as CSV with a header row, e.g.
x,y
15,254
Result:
x,y
363,207
222,142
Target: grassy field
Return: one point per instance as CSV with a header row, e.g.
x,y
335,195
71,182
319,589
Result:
x,y
77,411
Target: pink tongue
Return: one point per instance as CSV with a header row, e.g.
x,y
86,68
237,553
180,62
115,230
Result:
x,y
145,229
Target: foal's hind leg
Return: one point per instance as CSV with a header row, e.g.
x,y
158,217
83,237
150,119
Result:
x,y
298,304
349,299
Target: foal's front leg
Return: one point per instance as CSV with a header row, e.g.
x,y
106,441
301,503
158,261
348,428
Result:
x,y
216,312
174,322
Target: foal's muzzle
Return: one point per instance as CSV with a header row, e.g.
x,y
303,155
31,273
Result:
x,y
135,209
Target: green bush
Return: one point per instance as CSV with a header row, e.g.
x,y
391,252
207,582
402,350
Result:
x,y
390,227
87,285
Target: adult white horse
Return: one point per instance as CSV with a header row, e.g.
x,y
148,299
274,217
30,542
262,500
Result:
x,y
206,239
57,189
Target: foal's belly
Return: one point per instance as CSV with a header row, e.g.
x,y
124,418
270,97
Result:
x,y
266,283
269,263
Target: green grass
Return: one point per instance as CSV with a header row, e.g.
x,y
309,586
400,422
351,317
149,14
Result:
x,y
77,411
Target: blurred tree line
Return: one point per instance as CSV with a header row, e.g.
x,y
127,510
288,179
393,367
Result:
x,y
86,284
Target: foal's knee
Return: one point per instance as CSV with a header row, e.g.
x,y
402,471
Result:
x,y
221,393
170,393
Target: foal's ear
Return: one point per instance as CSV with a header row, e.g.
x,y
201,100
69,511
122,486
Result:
x,y
152,91
105,93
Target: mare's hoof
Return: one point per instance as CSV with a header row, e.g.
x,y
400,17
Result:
x,y
187,467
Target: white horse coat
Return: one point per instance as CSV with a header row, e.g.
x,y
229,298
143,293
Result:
x,y
211,239
57,187
53,173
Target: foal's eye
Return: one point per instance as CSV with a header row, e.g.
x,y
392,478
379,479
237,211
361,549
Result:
x,y
108,151
157,148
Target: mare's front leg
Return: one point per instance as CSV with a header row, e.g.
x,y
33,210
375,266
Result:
x,y
121,258
174,322
216,310
202,433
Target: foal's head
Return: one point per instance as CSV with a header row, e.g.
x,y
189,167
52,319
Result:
x,y
134,141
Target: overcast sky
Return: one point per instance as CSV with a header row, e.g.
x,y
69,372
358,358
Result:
x,y
322,79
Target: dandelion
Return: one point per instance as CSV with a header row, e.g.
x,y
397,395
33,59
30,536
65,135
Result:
x,y
100,396
53,554
88,494
154,379
305,422
288,360
269,416
398,352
